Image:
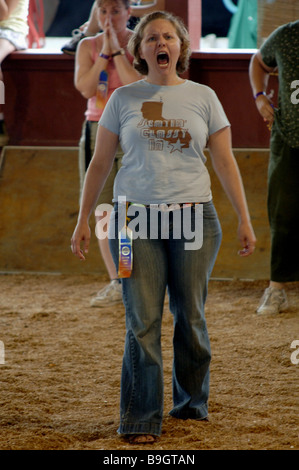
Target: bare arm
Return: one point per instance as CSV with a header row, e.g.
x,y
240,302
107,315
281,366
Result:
x,y
87,71
259,77
125,70
227,170
6,7
92,24
96,175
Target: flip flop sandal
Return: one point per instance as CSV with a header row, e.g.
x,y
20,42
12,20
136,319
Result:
x,y
141,439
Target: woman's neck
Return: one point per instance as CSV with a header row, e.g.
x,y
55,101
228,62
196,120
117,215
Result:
x,y
165,81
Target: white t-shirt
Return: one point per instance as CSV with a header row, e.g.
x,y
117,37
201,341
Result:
x,y
163,131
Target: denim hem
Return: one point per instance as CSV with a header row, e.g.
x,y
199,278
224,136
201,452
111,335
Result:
x,y
140,428
200,413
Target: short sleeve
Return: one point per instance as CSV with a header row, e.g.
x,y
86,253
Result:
x,y
269,49
110,118
217,118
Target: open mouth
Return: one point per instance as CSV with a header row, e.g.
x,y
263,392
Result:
x,y
163,58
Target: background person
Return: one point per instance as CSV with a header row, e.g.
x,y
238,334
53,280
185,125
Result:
x,y
280,51
13,32
156,171
106,51
91,27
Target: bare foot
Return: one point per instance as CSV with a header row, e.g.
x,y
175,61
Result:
x,y
142,439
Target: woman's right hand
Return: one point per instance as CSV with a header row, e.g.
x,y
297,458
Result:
x,y
81,234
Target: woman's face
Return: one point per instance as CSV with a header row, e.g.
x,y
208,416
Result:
x,y
115,11
160,47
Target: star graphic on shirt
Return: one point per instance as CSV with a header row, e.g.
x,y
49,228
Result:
x,y
176,146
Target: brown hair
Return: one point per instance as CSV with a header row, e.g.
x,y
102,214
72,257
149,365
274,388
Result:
x,y
126,3
135,40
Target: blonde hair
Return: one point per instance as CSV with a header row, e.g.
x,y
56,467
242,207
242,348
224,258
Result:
x,y
136,38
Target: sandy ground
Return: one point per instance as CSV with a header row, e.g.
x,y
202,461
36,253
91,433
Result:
x,y
62,360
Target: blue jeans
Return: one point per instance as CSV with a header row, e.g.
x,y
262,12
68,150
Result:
x,y
161,264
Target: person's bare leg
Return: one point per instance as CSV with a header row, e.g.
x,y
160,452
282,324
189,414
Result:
x,y
112,293
92,26
103,242
6,48
276,285
107,258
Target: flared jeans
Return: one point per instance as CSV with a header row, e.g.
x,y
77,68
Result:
x,y
158,265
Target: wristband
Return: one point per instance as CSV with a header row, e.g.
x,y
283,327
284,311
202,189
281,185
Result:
x,y
259,93
104,56
120,52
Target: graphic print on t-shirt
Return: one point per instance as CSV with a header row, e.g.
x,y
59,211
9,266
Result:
x,y
160,131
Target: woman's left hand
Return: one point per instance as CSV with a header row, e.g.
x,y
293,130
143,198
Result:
x,y
247,239
112,36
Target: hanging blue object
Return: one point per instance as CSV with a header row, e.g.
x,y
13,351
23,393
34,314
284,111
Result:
x,y
229,4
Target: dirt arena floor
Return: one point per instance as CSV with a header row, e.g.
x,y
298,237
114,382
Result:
x,y
61,369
